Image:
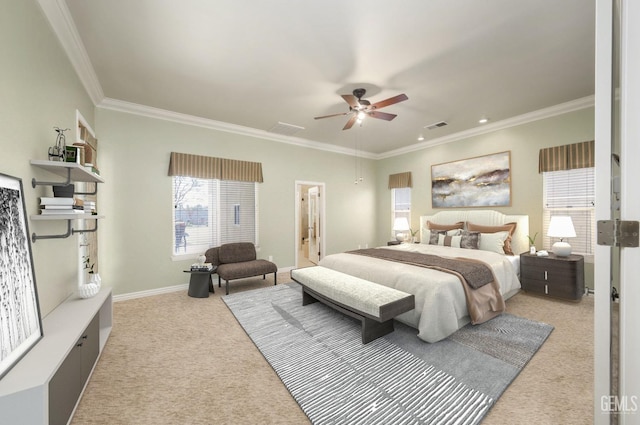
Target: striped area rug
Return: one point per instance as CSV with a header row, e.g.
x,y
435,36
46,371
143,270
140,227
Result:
x,y
397,379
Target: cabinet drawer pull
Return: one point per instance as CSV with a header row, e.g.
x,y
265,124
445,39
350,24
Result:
x,y
546,289
545,275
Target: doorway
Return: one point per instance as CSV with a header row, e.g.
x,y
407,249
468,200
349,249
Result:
x,y
310,223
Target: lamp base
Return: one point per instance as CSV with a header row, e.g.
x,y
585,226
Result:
x,y
561,249
400,237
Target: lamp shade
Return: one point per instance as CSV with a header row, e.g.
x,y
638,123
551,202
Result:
x,y
561,227
401,224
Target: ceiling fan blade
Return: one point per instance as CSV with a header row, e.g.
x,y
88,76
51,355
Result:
x,y
381,115
390,101
351,100
350,123
329,116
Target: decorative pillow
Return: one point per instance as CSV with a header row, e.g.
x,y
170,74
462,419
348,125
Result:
x,y
469,240
434,235
493,242
435,226
508,227
453,241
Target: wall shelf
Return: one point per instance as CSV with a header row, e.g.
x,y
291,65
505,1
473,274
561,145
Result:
x,y
68,218
69,170
73,173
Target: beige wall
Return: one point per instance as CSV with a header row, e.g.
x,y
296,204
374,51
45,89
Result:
x,y
39,90
136,237
524,142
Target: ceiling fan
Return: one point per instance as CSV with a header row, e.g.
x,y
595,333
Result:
x,y
359,106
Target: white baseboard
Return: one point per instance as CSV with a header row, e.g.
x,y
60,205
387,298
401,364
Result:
x,y
150,292
166,290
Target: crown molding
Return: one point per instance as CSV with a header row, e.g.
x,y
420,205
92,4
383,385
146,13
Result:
x,y
552,111
59,17
163,114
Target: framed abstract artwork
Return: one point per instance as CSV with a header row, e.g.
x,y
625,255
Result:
x,y
20,320
483,181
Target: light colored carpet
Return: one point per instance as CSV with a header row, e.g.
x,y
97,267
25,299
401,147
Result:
x,y
173,359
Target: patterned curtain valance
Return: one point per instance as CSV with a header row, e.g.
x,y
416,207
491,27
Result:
x,y
567,157
209,167
400,180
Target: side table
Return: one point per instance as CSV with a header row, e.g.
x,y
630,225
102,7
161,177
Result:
x,y
553,276
200,283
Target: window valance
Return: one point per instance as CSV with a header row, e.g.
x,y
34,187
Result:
x,y
400,180
567,157
209,167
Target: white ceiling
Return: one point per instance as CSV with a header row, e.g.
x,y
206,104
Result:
x,y
256,63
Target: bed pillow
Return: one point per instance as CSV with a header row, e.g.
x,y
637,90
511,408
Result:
x,y
434,235
493,242
435,226
446,240
508,227
469,240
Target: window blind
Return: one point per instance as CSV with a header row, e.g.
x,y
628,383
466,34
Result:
x,y
571,193
211,212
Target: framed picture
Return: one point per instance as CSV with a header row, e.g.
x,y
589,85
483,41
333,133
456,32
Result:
x,y
20,320
483,181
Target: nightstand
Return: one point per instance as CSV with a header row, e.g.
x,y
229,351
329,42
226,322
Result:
x,y
390,243
553,276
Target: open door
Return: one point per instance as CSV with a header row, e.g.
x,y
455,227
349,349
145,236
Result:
x,y
617,259
310,223
314,220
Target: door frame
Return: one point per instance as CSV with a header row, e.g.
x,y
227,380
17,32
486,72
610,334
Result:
x,y
322,196
625,398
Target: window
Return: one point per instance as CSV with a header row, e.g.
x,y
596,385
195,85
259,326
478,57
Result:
x,y
208,213
400,205
571,193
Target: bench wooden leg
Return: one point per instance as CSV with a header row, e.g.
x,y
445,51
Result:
x,y
372,329
307,298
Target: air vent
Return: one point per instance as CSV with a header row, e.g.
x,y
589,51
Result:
x,y
285,129
435,125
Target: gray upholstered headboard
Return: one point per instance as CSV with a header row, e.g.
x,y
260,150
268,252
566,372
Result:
x,y
519,241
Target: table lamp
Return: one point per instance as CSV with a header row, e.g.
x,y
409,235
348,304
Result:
x,y
401,226
561,227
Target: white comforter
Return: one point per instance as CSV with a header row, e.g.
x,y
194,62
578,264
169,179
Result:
x,y
440,302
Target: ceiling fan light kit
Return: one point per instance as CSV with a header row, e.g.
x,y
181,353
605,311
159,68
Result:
x,y
360,108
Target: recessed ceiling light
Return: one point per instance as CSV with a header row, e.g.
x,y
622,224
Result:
x,y
483,120
421,137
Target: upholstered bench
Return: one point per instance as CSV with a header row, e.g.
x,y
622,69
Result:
x,y
373,304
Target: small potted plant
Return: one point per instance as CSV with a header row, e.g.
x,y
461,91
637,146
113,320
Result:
x,y
532,243
414,238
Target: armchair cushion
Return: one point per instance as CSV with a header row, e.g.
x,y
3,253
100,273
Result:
x,y
237,252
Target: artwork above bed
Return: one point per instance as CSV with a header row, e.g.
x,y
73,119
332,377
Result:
x,y
484,181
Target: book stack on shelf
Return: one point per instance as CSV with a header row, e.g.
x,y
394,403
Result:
x,y
58,205
197,267
88,207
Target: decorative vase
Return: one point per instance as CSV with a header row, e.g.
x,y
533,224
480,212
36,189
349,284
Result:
x,y
96,279
532,249
201,259
88,290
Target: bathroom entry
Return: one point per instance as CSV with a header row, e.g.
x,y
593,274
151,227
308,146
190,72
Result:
x,y
309,223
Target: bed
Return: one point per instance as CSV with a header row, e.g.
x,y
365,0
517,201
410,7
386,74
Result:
x,y
441,305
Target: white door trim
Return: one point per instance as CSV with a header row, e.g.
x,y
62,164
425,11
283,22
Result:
x,y
323,216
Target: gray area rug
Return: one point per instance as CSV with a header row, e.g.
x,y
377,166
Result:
x,y
397,379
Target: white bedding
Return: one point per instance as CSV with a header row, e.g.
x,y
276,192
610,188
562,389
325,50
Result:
x,y
440,302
